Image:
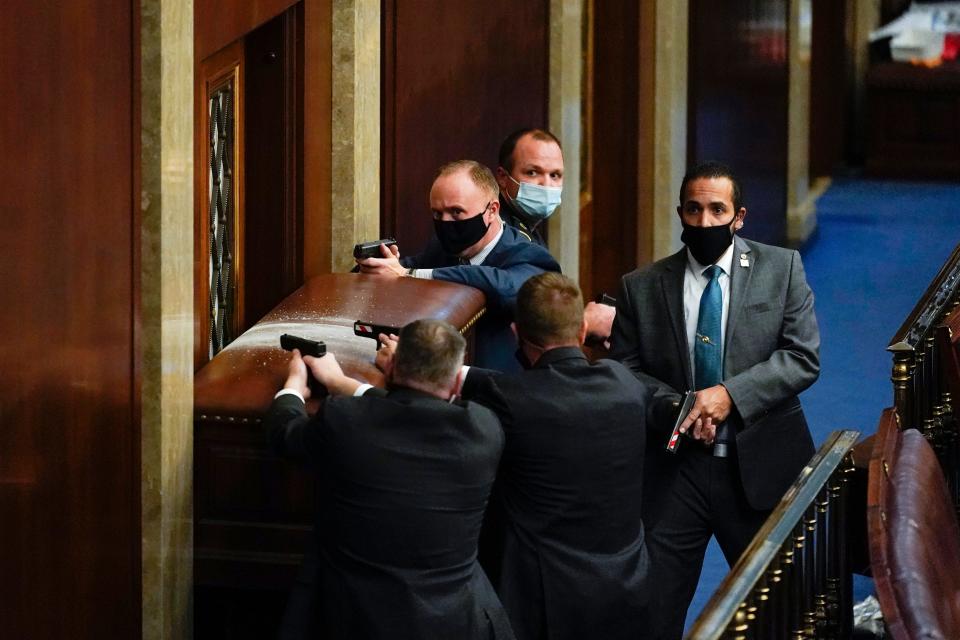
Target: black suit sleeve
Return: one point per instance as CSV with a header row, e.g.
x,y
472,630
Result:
x,y
480,386
292,433
664,399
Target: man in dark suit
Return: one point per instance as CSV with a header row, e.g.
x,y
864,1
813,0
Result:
x,y
472,246
574,562
734,320
405,475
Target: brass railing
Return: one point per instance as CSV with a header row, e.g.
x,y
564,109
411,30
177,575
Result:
x,y
794,580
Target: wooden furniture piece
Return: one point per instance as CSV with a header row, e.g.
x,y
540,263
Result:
x,y
914,537
252,510
914,120
794,580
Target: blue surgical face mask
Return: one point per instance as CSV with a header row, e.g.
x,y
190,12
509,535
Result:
x,y
537,201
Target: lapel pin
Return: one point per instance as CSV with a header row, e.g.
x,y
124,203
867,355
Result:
x,y
744,260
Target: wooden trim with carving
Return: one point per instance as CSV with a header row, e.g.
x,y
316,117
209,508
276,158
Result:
x,y
222,67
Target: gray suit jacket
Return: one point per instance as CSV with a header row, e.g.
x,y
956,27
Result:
x,y
771,353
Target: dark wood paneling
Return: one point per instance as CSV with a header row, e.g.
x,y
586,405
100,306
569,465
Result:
x,y
615,152
217,23
913,121
457,78
738,95
828,86
273,174
69,418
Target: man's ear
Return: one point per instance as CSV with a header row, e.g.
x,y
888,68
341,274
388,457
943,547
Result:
x,y
740,216
513,327
494,208
583,331
501,176
457,384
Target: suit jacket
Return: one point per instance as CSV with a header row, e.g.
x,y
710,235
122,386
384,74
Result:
x,y
515,219
771,353
511,263
574,561
404,478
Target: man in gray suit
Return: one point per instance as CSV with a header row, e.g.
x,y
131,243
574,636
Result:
x,y
732,319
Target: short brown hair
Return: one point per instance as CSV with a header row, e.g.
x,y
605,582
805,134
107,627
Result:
x,y
429,353
479,174
505,157
549,309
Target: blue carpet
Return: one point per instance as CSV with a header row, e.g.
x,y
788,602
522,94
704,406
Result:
x,y
877,246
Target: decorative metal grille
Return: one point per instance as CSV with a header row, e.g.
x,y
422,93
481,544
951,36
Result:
x,y
221,218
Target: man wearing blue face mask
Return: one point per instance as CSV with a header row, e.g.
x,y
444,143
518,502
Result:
x,y
530,176
472,246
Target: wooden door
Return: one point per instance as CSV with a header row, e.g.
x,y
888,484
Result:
x,y
69,380
458,77
249,183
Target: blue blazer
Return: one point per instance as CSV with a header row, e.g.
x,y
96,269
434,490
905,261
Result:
x,y
511,263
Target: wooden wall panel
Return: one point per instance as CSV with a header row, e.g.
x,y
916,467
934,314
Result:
x,y
829,67
273,163
69,415
615,117
217,23
457,78
737,96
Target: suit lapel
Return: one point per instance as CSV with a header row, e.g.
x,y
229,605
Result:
x,y
739,285
671,283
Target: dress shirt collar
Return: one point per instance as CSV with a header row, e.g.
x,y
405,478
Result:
x,y
480,257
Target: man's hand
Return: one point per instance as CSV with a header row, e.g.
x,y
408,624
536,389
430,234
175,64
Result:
x,y
297,375
388,265
386,353
710,409
599,319
327,372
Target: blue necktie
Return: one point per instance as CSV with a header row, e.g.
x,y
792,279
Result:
x,y
708,348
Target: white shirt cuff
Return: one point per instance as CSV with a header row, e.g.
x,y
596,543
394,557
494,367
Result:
x,y
426,274
362,389
289,392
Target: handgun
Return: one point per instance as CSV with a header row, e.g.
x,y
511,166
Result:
x,y
603,298
307,347
674,442
370,330
371,249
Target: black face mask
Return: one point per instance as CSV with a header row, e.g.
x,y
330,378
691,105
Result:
x,y
457,235
707,243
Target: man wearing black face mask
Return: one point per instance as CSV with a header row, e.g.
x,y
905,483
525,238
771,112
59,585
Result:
x,y
472,246
732,319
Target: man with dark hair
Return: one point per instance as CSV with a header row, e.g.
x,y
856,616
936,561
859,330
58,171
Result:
x,y
530,175
404,477
472,246
732,319
574,562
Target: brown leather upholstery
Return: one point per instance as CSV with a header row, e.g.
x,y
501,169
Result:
x,y
242,379
914,538
253,511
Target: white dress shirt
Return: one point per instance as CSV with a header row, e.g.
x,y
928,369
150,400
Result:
x,y
694,282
